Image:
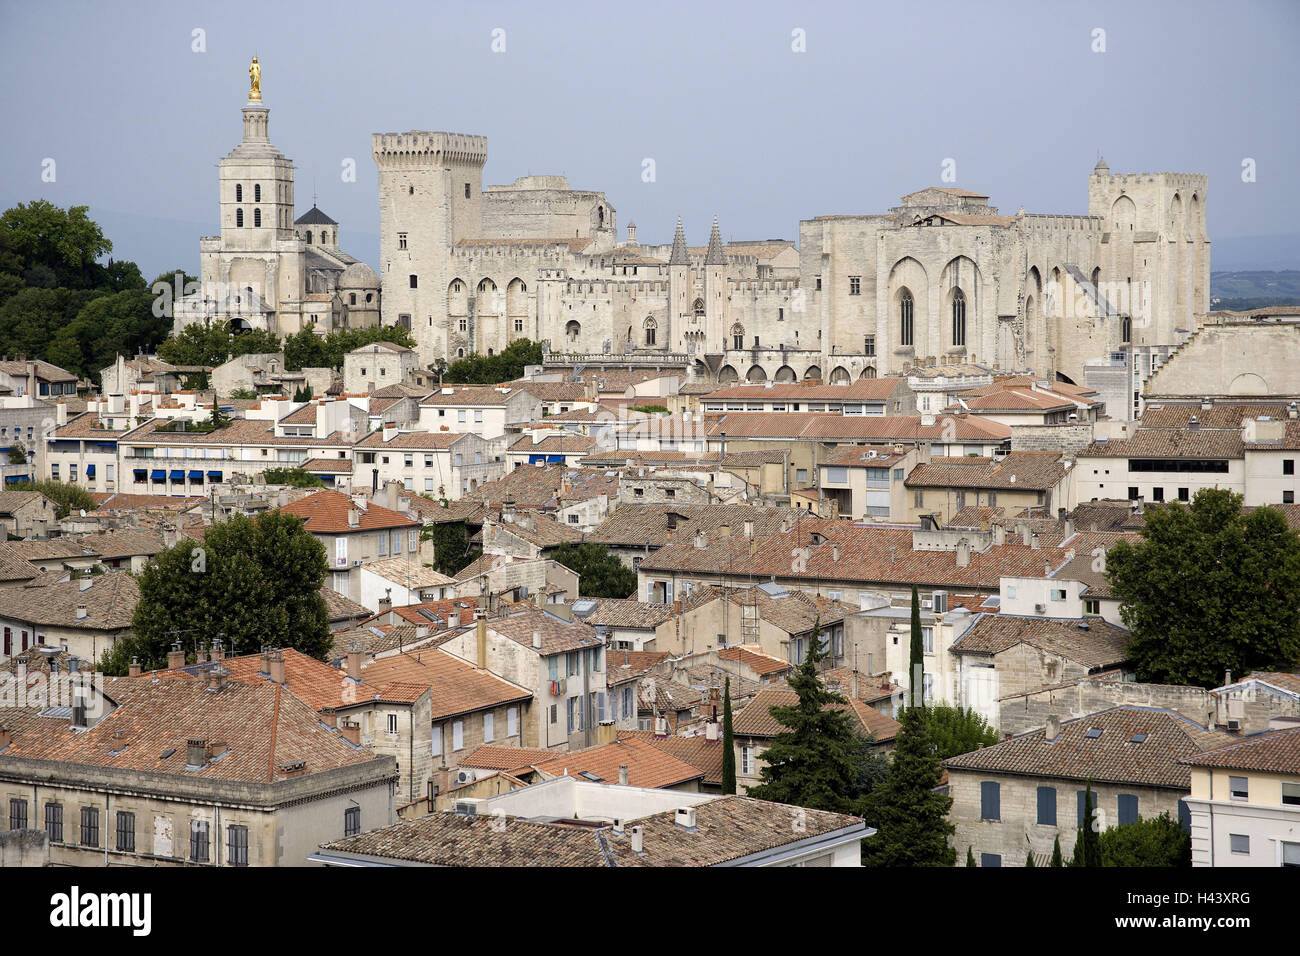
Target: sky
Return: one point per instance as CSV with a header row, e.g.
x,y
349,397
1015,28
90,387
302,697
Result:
x,y
761,113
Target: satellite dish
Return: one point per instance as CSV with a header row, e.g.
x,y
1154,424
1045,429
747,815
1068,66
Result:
x,y
83,512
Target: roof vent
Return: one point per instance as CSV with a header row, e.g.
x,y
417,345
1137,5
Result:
x,y
685,818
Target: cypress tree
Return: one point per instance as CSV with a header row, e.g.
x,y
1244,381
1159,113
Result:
x,y
1057,859
1088,835
728,742
910,816
970,857
916,663
1029,859
815,762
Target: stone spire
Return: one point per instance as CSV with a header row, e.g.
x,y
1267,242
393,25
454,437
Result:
x,y
1101,169
715,257
680,256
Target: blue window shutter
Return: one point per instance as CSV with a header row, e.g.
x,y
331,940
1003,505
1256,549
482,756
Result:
x,y
1128,808
1184,816
1082,813
990,804
1047,806
990,859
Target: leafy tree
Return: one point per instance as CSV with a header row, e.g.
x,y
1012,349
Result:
x,y
1155,841
244,394
812,763
451,548
1029,859
957,730
911,817
66,496
506,366
199,343
1057,858
1241,615
916,662
970,857
600,574
728,742
1087,851
65,241
254,342
17,454
307,349
257,582
295,477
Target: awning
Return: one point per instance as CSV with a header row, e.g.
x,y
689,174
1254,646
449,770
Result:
x,y
215,474
15,479
90,471
196,475
141,472
158,475
178,474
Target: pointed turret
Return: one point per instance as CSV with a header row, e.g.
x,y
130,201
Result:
x,y
715,255
1101,169
680,256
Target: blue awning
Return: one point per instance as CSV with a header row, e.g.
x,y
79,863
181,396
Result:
x,y
178,474
159,475
215,474
15,479
196,475
90,471
141,472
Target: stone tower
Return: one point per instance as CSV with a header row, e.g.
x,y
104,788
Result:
x,y
430,198
715,290
681,315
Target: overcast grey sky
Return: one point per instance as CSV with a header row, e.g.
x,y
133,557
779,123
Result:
x,y
737,122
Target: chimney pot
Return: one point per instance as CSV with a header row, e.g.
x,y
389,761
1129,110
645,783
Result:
x,y
175,656
622,775
135,670
354,664
1053,727
637,839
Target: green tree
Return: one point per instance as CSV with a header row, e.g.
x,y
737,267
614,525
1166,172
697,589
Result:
x,y
1087,851
506,366
600,574
1155,841
305,349
67,497
813,762
65,241
911,817
1057,858
916,658
1029,859
728,742
1241,615
243,394
295,477
970,857
452,552
199,343
17,454
255,581
254,342
303,394
957,730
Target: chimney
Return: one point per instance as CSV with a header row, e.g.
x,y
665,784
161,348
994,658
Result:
x,y
217,678
622,775
1033,541
606,732
79,707
1053,728
963,553
6,737
999,535
275,670
1024,534
354,518
218,650
1069,528
351,731
390,431
196,751
354,663
83,584
421,631
508,508
1193,424
701,541
711,730
175,657
685,818
482,643
453,619
135,670
637,840
749,527
1227,678
83,612
537,640
677,606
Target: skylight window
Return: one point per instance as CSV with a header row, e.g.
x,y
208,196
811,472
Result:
x,y
1093,733
1138,739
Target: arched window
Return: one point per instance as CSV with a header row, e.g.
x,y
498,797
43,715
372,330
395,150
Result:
x,y
958,318
571,330
239,218
352,298
905,308
650,325
738,336
601,221
257,192
257,217
699,308
239,192
309,237
1126,329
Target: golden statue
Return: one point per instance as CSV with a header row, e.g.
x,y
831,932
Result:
x,y
255,81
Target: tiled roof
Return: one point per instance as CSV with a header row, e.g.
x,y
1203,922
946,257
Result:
x,y
493,757
326,512
1219,415
755,718
1276,751
647,766
328,466
402,439
44,370
633,526
624,665
408,573
14,566
1289,682
1034,470
1289,440
863,389
124,543
701,753
470,395
242,431
863,456
1111,757
556,634
13,501
626,612
1169,443
762,664
726,829
110,602
314,682
1101,645
667,696
828,427
551,391
51,549
458,687
339,608
303,416
555,445
264,728
86,425
122,501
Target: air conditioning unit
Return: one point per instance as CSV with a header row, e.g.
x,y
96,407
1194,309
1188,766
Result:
x,y
465,776
1040,608
1234,724
467,808
557,688
356,563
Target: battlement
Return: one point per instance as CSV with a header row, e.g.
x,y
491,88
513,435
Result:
x,y
422,148
1190,180
1040,221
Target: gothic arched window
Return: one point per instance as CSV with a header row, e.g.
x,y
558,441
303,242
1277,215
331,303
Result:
x,y
738,336
1126,329
699,308
905,309
309,237
650,325
958,318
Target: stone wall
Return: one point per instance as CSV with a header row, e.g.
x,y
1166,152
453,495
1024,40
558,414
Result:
x,y
1063,438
